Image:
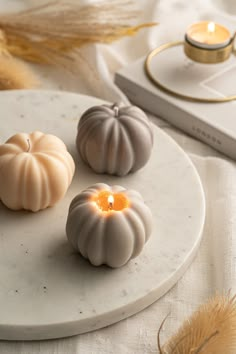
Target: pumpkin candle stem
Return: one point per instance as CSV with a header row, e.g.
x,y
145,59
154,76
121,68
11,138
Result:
x,y
28,145
115,109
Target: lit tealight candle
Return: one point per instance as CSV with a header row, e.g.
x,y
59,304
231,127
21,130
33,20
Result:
x,y
108,225
208,35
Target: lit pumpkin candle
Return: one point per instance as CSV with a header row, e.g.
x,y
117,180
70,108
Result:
x,y
208,35
35,171
108,224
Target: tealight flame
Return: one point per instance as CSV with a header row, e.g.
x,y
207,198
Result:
x,y
211,27
110,201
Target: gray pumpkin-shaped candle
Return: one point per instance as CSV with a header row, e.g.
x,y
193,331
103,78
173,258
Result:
x,y
114,140
108,225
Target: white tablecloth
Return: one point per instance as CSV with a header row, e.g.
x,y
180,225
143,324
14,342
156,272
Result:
x,y
214,268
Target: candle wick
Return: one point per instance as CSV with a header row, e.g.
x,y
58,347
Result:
x,y
28,141
211,28
115,109
110,202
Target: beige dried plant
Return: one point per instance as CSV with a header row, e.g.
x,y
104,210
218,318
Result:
x,y
51,33
15,75
210,330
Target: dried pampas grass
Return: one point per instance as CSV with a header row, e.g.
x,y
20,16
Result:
x,y
49,33
52,34
210,330
15,75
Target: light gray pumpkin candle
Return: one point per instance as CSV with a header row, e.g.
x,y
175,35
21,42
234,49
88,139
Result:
x,y
114,140
108,224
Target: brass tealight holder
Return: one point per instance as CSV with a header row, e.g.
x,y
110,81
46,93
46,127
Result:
x,y
204,42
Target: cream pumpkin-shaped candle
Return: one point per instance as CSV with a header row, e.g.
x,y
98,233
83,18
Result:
x,y
108,224
114,140
35,171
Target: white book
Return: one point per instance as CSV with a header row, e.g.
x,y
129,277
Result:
x,y
213,123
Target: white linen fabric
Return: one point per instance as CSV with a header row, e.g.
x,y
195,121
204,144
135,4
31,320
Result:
x,y
214,268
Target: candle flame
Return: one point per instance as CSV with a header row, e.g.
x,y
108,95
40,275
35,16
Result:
x,y
110,201
211,27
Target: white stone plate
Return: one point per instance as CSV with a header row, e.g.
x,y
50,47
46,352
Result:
x,y
48,291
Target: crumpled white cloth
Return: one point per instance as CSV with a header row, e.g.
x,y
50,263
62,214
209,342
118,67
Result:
x,y
214,269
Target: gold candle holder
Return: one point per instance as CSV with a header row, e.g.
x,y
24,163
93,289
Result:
x,y
204,42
